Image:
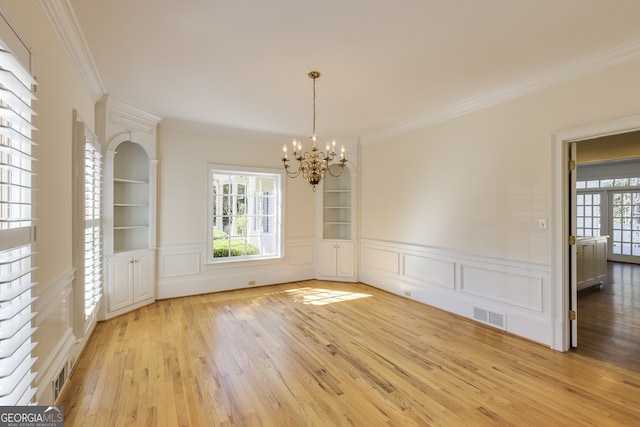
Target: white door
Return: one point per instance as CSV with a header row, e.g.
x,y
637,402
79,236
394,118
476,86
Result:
x,y
624,226
573,255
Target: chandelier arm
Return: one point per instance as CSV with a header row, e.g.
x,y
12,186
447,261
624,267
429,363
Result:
x,y
341,164
292,174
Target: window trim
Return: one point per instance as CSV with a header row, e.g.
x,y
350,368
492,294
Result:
x,y
279,204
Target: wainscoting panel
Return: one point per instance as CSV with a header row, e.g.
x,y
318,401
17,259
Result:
x,y
461,283
511,288
380,259
299,254
430,270
176,264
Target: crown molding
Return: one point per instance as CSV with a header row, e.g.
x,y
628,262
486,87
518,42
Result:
x,y
222,130
626,52
65,24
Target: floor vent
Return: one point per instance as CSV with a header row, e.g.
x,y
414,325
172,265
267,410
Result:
x,y
59,382
489,317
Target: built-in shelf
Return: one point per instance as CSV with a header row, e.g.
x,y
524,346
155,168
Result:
x,y
336,207
130,177
336,231
129,181
131,192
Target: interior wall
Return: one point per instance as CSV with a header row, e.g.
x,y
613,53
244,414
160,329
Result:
x,y
479,187
182,197
60,89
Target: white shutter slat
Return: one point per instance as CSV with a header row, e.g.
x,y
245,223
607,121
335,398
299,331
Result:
x,y
10,63
15,136
9,384
7,293
20,353
9,327
17,104
16,240
22,394
10,345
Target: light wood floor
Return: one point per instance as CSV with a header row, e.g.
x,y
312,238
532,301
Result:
x,y
609,318
331,354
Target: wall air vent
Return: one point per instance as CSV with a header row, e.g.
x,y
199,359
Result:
x,y
60,381
491,318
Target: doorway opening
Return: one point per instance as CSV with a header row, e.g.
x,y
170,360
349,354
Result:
x,y
564,267
607,215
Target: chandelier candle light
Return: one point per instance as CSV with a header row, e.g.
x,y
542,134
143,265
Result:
x,y
314,164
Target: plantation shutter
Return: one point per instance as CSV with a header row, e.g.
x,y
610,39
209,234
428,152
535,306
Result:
x,y
92,228
17,232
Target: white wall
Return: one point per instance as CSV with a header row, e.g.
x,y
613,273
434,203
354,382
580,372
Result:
x,y
60,90
465,197
182,196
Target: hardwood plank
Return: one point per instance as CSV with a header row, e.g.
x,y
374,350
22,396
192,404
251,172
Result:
x,y
331,354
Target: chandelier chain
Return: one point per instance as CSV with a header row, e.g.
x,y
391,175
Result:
x,y
314,107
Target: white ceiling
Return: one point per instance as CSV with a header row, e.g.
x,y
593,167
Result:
x,y
385,64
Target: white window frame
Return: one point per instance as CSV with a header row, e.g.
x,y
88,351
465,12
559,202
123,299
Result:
x,y
278,206
17,228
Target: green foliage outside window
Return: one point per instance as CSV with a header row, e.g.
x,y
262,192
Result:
x,y
225,247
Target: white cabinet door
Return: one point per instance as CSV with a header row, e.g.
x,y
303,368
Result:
x,y
143,268
345,262
327,261
120,282
336,259
131,281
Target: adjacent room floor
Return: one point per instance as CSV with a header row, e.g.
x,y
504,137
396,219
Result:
x,y
609,318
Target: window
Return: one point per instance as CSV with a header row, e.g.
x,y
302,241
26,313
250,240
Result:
x,y
613,210
625,223
608,183
87,220
92,227
16,232
244,214
588,214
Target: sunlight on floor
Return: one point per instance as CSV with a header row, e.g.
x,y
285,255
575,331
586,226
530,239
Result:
x,y
315,296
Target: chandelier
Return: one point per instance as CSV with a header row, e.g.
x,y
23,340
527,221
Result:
x,y
313,165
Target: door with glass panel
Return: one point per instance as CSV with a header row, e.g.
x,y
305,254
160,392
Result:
x,y
625,226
